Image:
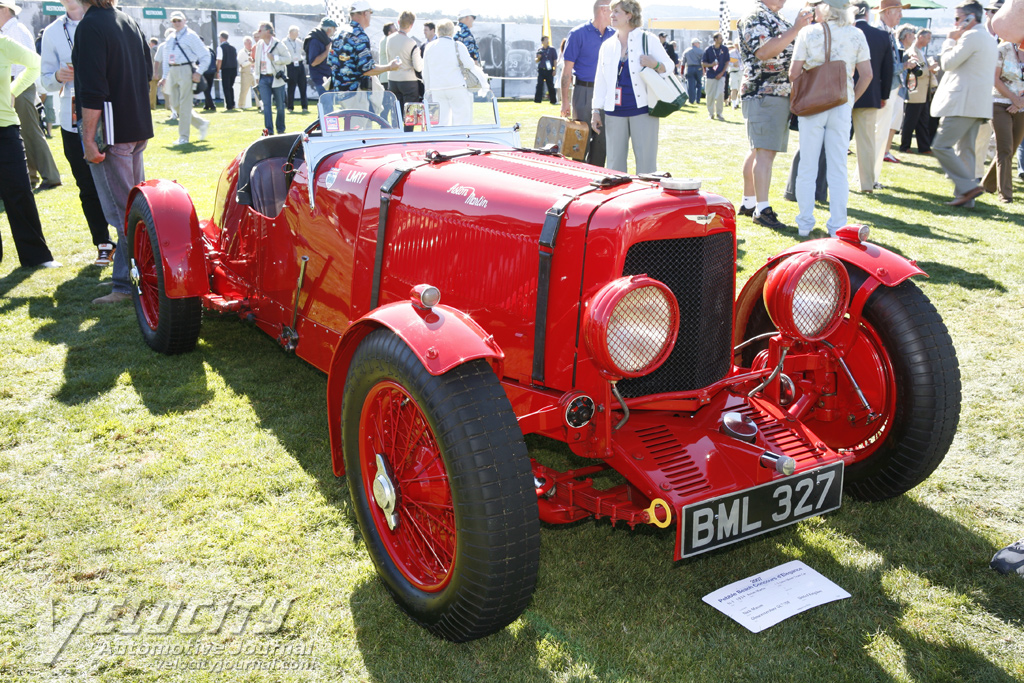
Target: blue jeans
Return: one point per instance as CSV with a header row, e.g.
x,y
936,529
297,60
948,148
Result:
x,y
115,176
1020,159
266,92
693,74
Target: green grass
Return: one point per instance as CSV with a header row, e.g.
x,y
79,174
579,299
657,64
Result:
x,y
130,476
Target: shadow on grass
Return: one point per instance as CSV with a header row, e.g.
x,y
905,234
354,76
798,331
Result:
x,y
611,605
111,333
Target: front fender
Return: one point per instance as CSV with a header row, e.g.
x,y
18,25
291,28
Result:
x,y
441,338
881,266
183,258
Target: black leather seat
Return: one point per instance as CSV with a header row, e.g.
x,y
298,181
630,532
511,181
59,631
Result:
x,y
268,186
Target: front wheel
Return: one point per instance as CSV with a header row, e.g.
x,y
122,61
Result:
x,y
170,326
904,362
442,489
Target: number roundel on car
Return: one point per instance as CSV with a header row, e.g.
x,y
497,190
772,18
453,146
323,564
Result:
x,y
807,296
631,326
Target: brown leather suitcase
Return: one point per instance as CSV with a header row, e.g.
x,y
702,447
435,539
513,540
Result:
x,y
570,136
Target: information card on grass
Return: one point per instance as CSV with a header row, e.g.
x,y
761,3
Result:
x,y
765,599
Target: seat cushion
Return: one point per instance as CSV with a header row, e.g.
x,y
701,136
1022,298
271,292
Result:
x,y
268,186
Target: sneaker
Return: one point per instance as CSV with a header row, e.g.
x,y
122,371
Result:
x,y
113,298
105,254
891,159
1009,560
720,117
49,264
878,186
744,211
181,141
804,233
204,128
768,219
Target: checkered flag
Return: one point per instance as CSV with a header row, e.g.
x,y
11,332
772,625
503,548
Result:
x,y
723,19
337,10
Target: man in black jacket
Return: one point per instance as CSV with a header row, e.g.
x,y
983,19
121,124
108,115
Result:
x,y
865,109
112,73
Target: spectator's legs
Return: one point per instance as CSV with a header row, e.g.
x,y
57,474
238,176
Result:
x,y
115,176
865,120
616,130
227,81
91,205
643,131
812,136
836,142
19,204
266,97
279,103
959,168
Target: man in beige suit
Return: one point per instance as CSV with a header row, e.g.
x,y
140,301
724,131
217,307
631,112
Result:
x,y
964,99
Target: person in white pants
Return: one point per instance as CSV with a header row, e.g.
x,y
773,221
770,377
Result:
x,y
443,61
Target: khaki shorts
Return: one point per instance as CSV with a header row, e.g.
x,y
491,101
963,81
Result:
x,y
767,122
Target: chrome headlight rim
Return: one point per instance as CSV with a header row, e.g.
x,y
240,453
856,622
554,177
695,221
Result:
x,y
807,296
612,334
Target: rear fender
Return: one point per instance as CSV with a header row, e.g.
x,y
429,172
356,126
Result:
x,y
442,338
880,267
181,241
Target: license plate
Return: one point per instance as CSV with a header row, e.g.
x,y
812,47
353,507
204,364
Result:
x,y
738,516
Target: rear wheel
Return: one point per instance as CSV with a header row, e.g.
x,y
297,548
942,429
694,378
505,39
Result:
x,y
442,489
170,326
905,364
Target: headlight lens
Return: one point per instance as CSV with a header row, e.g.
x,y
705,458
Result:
x,y
807,295
631,326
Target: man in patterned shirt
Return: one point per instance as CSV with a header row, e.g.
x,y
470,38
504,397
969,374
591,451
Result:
x,y
766,49
465,36
351,60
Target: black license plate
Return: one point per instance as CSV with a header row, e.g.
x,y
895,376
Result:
x,y
738,516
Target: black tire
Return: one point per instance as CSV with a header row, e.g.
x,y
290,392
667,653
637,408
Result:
x,y
493,525
170,326
927,408
926,375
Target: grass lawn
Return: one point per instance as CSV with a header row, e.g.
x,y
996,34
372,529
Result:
x,y
200,486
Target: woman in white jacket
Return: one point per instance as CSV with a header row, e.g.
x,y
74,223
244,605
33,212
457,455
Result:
x,y
620,91
443,80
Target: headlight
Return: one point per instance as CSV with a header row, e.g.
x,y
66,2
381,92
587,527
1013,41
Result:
x,y
807,295
631,326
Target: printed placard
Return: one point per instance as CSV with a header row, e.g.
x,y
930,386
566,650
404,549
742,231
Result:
x,y
763,600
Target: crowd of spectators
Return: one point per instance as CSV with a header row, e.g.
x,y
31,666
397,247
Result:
x,y
948,100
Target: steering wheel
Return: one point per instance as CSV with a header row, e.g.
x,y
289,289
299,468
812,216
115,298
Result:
x,y
350,114
289,164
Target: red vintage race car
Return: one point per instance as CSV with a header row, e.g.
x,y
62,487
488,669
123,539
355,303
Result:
x,y
461,291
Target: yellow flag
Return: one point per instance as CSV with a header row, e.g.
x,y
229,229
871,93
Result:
x,y
546,28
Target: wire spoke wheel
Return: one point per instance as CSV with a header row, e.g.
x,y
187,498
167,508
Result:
x,y
422,542
169,325
441,487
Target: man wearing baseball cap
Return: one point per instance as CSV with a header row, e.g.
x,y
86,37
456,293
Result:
x,y
318,47
465,36
351,59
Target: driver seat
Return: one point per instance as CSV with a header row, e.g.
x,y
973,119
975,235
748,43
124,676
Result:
x,y
268,186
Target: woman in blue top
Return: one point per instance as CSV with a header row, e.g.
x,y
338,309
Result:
x,y
620,91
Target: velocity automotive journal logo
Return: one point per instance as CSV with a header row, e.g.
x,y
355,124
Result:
x,y
144,629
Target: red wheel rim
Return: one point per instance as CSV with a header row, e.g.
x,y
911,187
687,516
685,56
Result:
x,y
422,544
872,367
145,264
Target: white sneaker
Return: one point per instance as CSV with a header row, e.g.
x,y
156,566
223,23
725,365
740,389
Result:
x,y
204,128
181,141
50,264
